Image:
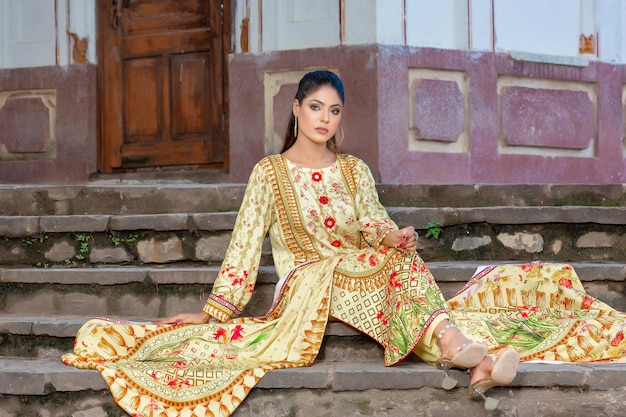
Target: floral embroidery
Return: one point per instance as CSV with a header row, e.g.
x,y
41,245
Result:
x,y
565,282
323,199
329,222
235,334
394,280
316,176
219,334
381,316
336,243
617,340
587,301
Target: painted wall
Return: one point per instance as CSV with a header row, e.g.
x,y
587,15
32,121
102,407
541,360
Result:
x,y
451,91
47,91
432,116
38,33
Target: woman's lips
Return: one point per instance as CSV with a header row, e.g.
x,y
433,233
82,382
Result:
x,y
321,130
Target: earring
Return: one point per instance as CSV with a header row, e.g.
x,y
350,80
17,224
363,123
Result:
x,y
295,128
343,136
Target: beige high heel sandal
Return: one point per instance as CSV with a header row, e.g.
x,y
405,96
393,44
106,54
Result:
x,y
503,373
467,356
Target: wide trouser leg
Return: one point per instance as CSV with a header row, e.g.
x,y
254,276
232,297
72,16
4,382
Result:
x,y
427,348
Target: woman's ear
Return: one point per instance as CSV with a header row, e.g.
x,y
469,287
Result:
x,y
295,107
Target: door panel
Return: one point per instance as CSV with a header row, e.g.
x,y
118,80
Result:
x,y
190,114
162,85
142,100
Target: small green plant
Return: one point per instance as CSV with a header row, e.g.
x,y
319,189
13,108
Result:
x,y
30,241
433,229
84,246
42,265
83,249
119,240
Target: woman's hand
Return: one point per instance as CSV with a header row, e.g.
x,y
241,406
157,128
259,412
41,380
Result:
x,y
186,318
404,239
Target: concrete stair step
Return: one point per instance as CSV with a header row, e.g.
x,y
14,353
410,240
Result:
x,y
48,337
332,389
163,291
21,226
19,376
178,197
560,234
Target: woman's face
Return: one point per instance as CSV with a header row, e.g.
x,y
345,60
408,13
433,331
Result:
x,y
319,115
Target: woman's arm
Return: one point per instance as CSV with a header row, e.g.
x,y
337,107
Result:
x,y
235,282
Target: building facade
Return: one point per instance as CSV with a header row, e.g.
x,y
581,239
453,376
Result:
x,y
437,92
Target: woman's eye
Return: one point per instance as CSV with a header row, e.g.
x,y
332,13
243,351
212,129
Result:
x,y
314,107
336,111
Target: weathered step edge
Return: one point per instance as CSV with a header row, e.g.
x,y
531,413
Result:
x,y
177,197
42,377
112,275
20,226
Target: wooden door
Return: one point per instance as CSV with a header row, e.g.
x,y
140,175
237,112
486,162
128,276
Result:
x,y
162,82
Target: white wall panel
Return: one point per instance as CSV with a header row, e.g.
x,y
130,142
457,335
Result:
x,y
538,26
437,24
480,25
360,21
611,18
297,24
28,33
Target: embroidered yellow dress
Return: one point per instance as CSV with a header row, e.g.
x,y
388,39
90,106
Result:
x,y
541,310
325,227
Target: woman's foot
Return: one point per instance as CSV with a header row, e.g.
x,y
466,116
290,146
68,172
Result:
x,y
491,373
457,351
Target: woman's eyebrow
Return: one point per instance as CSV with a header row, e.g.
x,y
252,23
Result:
x,y
321,102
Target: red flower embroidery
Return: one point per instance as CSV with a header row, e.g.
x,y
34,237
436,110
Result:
x,y
323,199
394,281
237,281
566,282
587,301
237,333
329,222
316,176
618,339
220,333
381,316
336,243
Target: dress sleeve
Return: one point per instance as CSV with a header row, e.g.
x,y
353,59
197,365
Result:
x,y
235,282
373,218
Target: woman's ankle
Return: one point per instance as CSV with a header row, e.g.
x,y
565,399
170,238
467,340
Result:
x,y
450,340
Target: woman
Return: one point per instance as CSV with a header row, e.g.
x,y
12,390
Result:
x,y
336,251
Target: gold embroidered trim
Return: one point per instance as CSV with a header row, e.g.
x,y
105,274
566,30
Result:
x,y
216,310
298,241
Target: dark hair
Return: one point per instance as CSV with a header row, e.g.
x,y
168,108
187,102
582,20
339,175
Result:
x,y
309,84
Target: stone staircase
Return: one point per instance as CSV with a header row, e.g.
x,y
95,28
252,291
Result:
x,y
147,249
